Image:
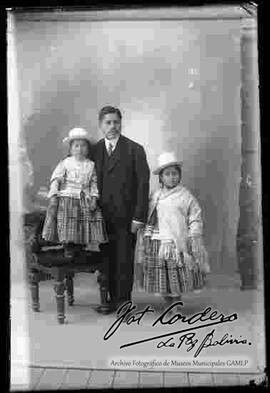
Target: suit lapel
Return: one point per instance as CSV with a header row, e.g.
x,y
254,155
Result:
x,y
115,157
99,161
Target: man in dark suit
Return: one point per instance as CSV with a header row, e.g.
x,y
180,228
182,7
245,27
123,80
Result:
x,y
123,182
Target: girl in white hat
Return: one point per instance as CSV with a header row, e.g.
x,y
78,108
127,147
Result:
x,y
170,250
73,217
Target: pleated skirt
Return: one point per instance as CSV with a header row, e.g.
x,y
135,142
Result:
x,y
74,223
165,276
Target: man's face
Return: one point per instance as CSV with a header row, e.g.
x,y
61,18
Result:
x,y
110,125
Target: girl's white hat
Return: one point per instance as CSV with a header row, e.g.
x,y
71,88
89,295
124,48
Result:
x,y
78,133
165,160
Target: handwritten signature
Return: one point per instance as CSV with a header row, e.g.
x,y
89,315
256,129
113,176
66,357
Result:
x,y
186,337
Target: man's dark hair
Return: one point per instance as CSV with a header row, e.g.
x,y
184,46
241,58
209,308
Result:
x,y
108,109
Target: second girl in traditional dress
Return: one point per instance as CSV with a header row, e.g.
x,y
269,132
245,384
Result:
x,y
171,256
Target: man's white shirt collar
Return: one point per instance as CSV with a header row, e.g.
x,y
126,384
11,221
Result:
x,y
113,142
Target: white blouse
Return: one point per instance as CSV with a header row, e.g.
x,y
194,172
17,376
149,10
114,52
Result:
x,y
72,176
179,216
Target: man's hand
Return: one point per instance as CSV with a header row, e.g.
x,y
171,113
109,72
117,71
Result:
x,y
135,225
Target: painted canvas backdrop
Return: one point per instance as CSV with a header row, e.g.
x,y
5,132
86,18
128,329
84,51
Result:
x,y
177,84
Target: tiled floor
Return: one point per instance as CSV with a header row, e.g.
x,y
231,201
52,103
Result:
x,y
50,378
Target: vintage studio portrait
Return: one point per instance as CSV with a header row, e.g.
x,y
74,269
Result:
x,y
135,198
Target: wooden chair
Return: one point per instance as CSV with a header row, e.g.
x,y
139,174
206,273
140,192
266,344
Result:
x,y
45,257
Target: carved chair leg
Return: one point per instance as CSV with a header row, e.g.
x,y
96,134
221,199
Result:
x,y
70,289
34,287
59,288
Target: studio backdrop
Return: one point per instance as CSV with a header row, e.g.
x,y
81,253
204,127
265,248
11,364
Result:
x,y
177,84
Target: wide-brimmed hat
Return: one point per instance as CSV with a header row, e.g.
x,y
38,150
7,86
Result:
x,y
78,133
165,160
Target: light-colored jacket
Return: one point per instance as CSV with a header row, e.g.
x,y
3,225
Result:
x,y
71,177
179,215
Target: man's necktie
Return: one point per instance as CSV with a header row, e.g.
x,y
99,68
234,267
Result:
x,y
110,149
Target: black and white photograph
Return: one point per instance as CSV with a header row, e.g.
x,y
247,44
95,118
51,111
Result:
x,y
135,202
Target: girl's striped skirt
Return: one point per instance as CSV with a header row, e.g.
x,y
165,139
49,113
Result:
x,y
73,222
154,274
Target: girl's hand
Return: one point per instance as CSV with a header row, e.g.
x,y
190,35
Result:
x,y
93,204
196,247
53,206
53,200
165,249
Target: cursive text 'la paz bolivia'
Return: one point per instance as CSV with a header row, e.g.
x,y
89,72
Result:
x,y
127,314
190,341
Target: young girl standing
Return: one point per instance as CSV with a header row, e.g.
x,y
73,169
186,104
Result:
x,y
172,257
73,217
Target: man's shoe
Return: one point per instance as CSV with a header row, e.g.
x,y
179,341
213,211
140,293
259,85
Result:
x,y
104,309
